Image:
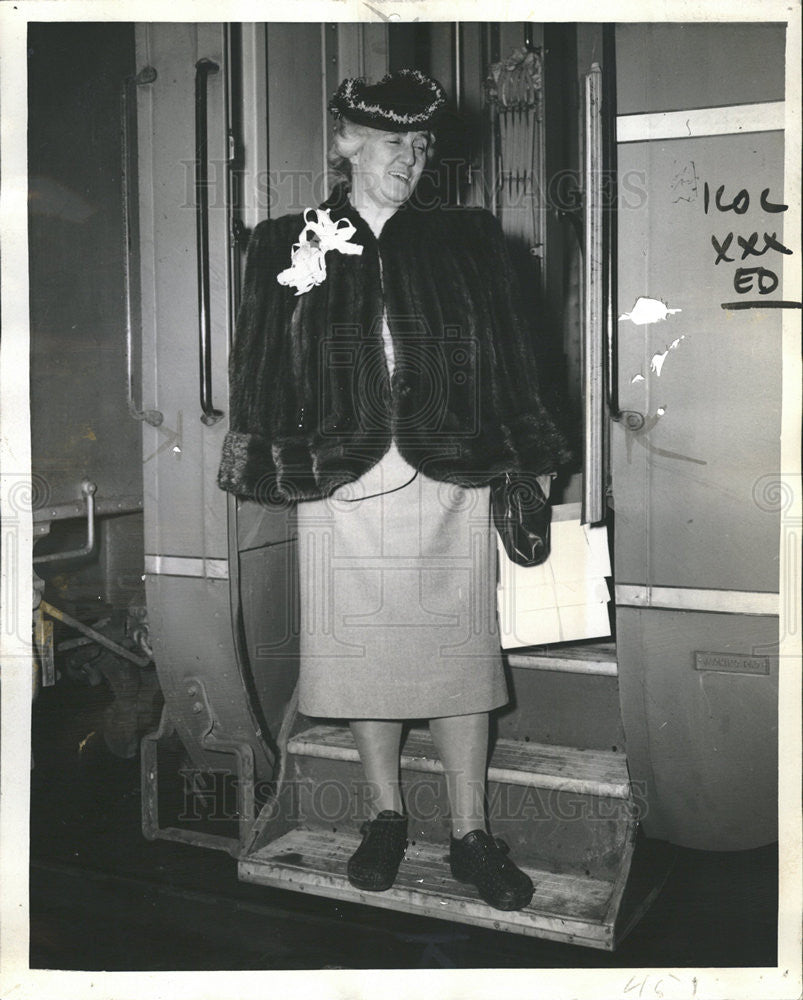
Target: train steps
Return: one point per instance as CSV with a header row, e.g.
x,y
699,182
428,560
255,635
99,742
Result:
x,y
567,812
564,907
566,695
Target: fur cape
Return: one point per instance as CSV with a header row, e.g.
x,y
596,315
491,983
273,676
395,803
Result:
x,y
312,405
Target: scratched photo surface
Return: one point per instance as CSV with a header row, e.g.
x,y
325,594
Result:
x,y
269,436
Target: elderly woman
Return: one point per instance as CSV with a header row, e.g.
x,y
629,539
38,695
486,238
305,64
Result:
x,y
381,377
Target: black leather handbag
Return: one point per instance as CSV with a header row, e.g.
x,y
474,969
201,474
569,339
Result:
x,y
522,515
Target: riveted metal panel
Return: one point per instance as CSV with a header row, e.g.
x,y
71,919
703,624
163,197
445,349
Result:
x,y
185,511
702,744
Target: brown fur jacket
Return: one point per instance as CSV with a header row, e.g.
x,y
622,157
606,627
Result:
x,y
312,404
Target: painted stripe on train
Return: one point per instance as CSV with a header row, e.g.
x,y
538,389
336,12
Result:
x,y
212,569
734,602
733,119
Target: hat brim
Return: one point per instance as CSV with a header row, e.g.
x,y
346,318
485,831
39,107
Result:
x,y
384,125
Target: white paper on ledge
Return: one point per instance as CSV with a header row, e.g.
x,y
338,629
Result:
x,y
560,595
548,625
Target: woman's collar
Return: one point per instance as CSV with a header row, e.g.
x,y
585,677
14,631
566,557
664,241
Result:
x,y
340,207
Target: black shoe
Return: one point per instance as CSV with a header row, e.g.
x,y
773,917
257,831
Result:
x,y
482,860
376,861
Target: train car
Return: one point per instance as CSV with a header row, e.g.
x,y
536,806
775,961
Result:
x,y
638,173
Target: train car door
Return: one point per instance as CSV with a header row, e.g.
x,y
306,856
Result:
x,y
697,486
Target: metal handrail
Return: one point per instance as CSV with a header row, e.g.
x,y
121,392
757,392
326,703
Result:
x,y
592,353
632,419
88,489
147,75
600,342
203,69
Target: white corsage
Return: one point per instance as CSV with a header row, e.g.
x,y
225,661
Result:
x,y
319,235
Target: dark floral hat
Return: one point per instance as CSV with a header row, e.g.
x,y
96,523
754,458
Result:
x,y
405,101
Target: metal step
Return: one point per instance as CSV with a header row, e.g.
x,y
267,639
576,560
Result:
x,y
562,709
568,908
564,695
597,658
581,772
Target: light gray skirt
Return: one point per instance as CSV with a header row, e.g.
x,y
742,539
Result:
x,y
398,599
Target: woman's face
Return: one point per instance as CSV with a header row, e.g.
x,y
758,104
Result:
x,y
388,166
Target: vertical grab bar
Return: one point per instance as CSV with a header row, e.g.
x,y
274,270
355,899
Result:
x,y
147,75
609,239
592,342
203,69
632,419
457,91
